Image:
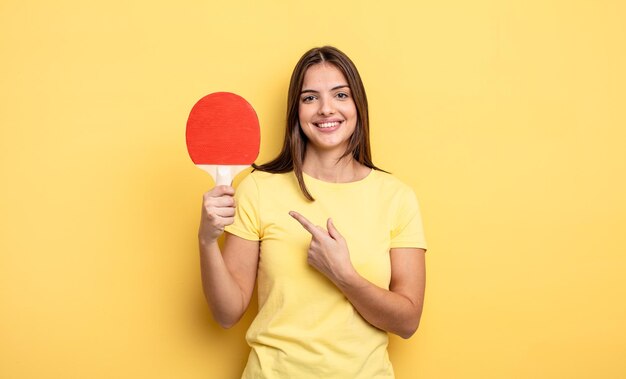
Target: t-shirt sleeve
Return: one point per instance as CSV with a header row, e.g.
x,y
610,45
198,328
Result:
x,y
247,224
407,230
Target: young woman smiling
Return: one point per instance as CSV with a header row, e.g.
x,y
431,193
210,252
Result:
x,y
335,244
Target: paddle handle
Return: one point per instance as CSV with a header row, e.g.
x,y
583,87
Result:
x,y
223,174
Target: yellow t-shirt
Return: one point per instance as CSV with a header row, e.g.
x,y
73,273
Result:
x,y
305,327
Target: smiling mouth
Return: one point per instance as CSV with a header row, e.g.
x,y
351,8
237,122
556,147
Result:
x,y
327,125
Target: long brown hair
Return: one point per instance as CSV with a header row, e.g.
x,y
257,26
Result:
x,y
294,145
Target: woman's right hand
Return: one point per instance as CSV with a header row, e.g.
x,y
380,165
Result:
x,y
218,211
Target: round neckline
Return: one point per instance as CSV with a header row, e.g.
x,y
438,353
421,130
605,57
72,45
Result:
x,y
311,179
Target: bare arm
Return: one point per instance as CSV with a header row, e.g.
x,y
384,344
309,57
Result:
x,y
397,310
228,276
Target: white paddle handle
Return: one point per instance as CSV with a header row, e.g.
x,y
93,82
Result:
x,y
224,177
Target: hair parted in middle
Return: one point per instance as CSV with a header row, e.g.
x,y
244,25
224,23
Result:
x,y
292,153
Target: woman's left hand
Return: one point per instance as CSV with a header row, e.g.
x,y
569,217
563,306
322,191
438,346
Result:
x,y
328,251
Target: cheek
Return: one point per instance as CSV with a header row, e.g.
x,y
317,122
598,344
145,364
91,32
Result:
x,y
303,126
350,110
303,115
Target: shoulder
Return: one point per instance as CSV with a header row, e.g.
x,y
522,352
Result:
x,y
395,193
261,179
388,182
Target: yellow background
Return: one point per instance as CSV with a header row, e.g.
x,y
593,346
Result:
x,y
506,117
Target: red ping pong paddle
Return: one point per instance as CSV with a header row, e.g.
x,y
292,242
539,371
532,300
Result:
x,y
223,135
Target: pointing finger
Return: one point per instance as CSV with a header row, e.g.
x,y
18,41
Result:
x,y
305,223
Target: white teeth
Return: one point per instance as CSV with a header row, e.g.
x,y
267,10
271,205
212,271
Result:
x,y
328,124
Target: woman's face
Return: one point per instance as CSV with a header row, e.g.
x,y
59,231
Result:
x,y
326,109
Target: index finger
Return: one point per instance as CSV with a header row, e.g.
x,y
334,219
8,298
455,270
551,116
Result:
x,y
222,190
304,222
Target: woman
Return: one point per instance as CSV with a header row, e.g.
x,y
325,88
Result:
x,y
337,244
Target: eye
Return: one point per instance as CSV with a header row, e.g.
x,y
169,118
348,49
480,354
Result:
x,y
308,98
343,95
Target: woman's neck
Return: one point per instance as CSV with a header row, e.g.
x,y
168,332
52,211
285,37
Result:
x,y
329,168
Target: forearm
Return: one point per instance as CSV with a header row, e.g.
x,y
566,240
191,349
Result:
x,y
397,310
380,307
221,291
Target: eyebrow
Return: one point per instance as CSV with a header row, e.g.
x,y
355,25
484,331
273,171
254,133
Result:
x,y
332,89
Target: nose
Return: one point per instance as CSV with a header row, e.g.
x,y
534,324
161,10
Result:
x,y
326,106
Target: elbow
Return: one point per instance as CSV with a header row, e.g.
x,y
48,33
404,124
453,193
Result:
x,y
410,327
226,322
408,332
225,319
226,325
225,316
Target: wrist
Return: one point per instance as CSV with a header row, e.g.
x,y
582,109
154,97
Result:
x,y
207,242
348,279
